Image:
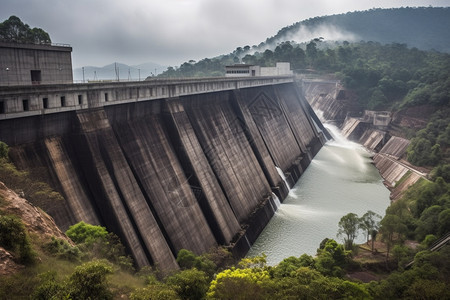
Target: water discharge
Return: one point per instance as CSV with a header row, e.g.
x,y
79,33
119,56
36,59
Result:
x,y
339,180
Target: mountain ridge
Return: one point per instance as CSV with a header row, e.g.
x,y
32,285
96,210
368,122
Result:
x,y
422,27
116,70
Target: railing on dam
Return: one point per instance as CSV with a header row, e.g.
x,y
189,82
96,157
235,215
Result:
x,y
24,101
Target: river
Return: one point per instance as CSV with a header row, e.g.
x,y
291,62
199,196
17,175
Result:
x,y
340,179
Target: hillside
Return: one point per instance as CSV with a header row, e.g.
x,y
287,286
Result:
x,y
37,223
425,28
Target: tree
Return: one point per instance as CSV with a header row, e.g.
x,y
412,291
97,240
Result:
x,y
348,227
392,229
331,259
249,283
13,30
311,52
189,284
369,223
444,222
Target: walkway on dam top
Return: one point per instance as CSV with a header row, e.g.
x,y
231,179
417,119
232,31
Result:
x,y
24,101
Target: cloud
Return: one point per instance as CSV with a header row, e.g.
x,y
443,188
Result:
x,y
173,31
327,31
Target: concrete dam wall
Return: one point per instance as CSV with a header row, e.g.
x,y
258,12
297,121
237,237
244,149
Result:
x,y
184,172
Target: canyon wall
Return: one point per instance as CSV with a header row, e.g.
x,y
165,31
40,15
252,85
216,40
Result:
x,y
187,172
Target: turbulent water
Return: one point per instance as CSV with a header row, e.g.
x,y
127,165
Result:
x,y
339,180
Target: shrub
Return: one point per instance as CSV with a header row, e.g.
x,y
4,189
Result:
x,y
86,233
4,150
188,260
14,237
89,281
63,249
189,284
96,242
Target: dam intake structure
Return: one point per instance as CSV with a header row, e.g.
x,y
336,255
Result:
x,y
166,165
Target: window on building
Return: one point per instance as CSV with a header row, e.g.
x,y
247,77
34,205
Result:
x,y
25,105
2,107
106,97
80,99
45,102
63,101
35,76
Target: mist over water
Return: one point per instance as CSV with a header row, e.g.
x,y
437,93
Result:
x,y
339,180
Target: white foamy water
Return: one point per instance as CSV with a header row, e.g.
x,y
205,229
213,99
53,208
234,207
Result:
x,y
339,180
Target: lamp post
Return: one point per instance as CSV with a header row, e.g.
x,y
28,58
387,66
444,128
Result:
x,y
7,75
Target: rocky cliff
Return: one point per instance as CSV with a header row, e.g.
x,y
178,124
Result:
x,y
36,222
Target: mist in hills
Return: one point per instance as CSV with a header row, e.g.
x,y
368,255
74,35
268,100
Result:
x,y
117,71
425,28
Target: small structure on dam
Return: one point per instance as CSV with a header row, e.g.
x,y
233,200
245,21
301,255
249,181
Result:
x,y
34,64
165,164
244,70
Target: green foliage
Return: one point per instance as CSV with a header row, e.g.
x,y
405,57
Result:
x,y
4,150
83,233
37,192
402,255
431,145
425,280
332,259
428,240
189,284
49,288
13,30
62,249
248,283
187,260
155,292
370,223
89,281
13,237
292,264
96,243
428,222
392,230
442,171
348,227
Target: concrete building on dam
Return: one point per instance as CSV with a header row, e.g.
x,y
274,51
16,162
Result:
x,y
31,64
165,164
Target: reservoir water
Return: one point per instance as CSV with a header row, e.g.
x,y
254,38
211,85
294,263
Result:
x,y
340,179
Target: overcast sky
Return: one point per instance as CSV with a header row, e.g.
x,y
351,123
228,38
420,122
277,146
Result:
x,y
170,32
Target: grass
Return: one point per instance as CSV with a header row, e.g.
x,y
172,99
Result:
x,y
404,177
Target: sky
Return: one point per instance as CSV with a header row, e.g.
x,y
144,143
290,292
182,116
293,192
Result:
x,y
170,32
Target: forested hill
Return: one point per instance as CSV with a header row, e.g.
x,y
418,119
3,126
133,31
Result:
x,y
425,28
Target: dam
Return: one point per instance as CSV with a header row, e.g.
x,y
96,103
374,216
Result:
x,y
165,164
